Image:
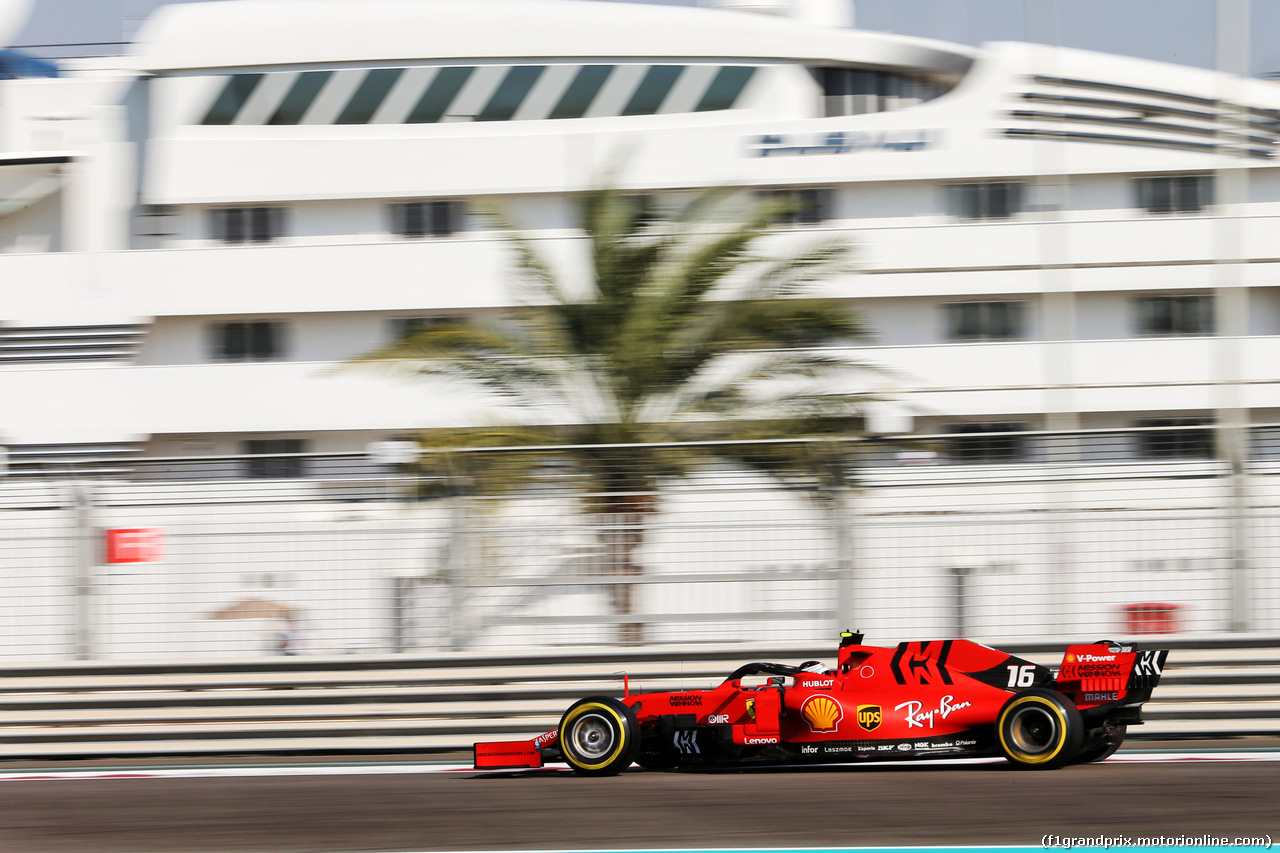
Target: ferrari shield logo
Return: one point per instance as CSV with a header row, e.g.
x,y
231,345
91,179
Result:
x,y
869,717
751,709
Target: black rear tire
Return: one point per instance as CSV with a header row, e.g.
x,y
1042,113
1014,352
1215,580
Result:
x,y
1039,730
599,736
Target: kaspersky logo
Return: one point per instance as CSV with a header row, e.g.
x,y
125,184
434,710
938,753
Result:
x,y
869,717
822,713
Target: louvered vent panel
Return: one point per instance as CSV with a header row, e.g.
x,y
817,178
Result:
x,y
87,459
1094,111
24,344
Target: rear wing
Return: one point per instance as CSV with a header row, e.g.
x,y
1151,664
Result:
x,y
1097,674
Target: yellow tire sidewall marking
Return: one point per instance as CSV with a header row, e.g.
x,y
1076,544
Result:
x,y
599,709
1041,702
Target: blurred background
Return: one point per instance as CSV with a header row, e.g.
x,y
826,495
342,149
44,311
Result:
x,y
1063,270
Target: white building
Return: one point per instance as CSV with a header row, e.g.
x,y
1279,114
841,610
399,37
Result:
x,y
195,235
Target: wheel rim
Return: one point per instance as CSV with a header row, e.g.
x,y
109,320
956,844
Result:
x,y
592,736
1033,730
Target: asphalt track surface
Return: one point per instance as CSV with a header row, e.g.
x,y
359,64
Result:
x,y
404,808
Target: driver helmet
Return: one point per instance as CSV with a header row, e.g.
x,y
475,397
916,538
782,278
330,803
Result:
x,y
816,666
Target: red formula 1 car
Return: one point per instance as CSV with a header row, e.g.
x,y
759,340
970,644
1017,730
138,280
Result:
x,y
945,698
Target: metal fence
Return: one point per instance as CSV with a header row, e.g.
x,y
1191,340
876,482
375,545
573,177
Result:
x,y
987,535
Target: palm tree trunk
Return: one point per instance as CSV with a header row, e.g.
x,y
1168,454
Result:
x,y
621,533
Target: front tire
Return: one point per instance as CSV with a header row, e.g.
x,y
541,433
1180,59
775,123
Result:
x,y
1039,730
599,736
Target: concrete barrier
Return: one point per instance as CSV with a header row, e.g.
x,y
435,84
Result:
x,y
1213,687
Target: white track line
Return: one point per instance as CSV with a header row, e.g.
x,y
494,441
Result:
x,y
393,769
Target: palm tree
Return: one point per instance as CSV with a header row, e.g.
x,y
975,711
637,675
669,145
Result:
x,y
684,332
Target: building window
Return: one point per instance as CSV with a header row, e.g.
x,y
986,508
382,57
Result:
x,y
653,89
998,200
809,206
1175,315
274,458
984,321
1175,194
854,91
256,341
157,220
405,327
992,442
427,218
1176,438
248,224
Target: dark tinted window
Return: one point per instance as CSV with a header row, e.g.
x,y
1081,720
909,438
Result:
x,y
1175,315
984,321
1176,438
267,457
1175,194
248,224
439,95
586,84
300,97
233,96
511,93
995,200
248,341
991,442
725,88
803,206
653,90
427,218
369,95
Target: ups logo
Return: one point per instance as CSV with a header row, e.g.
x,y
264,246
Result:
x,y
869,717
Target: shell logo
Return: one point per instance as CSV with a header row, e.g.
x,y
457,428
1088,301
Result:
x,y
1071,658
822,713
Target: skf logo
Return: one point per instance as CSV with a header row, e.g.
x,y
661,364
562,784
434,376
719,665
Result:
x,y
869,717
822,713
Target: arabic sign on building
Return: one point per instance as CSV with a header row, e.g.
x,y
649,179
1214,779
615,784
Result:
x,y
840,142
